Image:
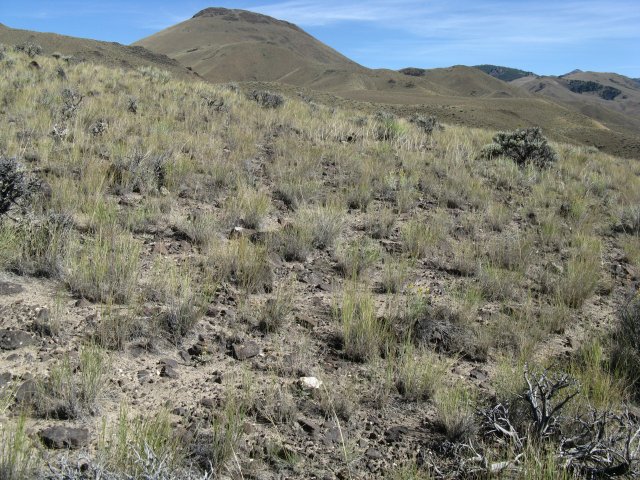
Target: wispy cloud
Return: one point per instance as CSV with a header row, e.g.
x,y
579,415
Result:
x,y
544,21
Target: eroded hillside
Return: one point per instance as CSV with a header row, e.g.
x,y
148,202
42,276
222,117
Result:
x,y
197,282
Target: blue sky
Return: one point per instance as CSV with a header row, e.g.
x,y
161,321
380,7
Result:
x,y
544,36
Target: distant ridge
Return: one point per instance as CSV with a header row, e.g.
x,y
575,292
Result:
x,y
224,45
505,74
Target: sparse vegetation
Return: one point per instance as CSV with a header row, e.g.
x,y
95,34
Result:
x,y
351,265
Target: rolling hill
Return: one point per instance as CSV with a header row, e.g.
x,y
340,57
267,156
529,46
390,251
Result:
x,y
225,45
81,49
222,45
609,98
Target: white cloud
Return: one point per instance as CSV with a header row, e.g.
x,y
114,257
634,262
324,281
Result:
x,y
544,22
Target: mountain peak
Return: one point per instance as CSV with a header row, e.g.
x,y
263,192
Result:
x,y
236,15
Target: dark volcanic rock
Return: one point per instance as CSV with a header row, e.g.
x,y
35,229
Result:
x,y
169,372
395,434
245,350
14,339
64,437
5,378
8,288
26,393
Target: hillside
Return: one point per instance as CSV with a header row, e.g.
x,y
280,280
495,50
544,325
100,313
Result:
x,y
105,53
197,282
225,45
609,98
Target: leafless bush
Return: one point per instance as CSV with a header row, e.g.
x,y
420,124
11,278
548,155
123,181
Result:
x,y
16,186
596,445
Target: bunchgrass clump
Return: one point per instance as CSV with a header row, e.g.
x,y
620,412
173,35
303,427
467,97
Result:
x,y
103,267
419,373
141,447
582,272
364,335
294,242
357,256
35,245
455,407
245,264
19,454
274,313
248,207
183,303
74,388
394,274
324,223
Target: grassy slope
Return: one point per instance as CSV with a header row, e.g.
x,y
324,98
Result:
x,y
360,237
623,112
106,53
234,45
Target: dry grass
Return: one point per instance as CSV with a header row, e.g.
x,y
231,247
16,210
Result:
x,y
364,335
103,267
519,253
419,373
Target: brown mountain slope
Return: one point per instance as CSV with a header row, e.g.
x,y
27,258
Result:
x,y
609,98
108,53
235,45
224,44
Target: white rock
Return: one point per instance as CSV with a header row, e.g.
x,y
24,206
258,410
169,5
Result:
x,y
310,383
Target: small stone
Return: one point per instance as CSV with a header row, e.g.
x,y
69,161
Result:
x,y
246,350
180,411
197,349
184,356
170,362
5,378
208,402
14,339
373,453
168,372
144,376
64,437
8,288
478,374
160,249
333,435
308,425
310,383
395,434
